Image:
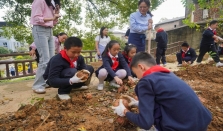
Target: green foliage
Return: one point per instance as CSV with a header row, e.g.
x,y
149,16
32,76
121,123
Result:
x,y
4,50
19,57
22,49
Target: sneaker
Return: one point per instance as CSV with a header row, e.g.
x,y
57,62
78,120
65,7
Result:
x,y
164,65
114,84
82,88
39,91
198,63
219,64
100,87
63,96
179,65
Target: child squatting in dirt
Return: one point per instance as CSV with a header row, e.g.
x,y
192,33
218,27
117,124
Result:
x,y
164,100
68,70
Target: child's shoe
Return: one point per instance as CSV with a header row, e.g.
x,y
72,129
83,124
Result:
x,y
63,96
113,83
82,88
100,87
39,91
219,64
179,65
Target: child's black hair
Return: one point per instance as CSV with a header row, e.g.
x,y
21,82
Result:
x,y
72,42
128,47
109,46
142,57
101,32
61,34
48,2
148,4
213,22
185,44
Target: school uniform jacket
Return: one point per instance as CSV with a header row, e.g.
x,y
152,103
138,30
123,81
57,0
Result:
x,y
169,103
191,53
107,64
56,65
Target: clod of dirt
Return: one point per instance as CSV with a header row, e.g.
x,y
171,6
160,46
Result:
x,y
88,96
122,89
83,74
122,120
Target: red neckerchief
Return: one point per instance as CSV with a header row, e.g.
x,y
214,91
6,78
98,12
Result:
x,y
160,30
64,55
184,52
128,58
155,69
115,63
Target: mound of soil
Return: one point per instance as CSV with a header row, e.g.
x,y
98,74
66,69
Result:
x,y
171,58
206,72
79,113
206,81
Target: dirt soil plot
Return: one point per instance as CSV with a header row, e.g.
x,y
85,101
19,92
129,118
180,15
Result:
x,y
207,81
84,113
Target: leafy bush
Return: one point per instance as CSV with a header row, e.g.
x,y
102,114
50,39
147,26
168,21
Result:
x,y
4,50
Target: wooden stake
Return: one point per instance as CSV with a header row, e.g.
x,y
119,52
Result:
x,y
149,41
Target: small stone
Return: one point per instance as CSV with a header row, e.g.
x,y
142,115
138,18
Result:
x,y
111,120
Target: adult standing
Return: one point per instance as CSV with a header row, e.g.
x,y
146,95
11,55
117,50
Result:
x,y
161,39
140,22
44,15
101,41
208,45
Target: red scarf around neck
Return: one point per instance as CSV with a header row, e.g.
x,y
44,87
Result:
x,y
184,52
128,58
64,55
154,69
115,63
160,30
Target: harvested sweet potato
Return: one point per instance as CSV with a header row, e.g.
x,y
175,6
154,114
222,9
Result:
x,y
125,102
122,120
122,88
83,74
88,96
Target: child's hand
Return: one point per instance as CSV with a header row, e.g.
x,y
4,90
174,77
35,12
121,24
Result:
x,y
133,102
98,52
118,80
119,110
131,80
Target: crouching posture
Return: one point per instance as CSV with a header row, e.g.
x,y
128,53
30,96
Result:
x,y
62,69
164,100
186,55
114,67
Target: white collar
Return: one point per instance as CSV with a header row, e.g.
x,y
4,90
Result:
x,y
210,28
111,56
187,50
53,3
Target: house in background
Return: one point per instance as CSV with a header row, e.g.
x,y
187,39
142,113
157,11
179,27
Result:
x,y
200,14
171,24
119,33
11,43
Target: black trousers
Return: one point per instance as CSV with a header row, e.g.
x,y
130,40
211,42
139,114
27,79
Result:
x,y
160,54
211,49
68,73
180,59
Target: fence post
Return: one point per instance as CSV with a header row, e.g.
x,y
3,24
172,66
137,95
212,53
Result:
x,y
24,68
16,69
7,70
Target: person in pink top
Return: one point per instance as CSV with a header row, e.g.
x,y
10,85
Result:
x,y
58,39
44,15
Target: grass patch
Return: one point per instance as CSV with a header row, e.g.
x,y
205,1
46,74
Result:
x,y
17,79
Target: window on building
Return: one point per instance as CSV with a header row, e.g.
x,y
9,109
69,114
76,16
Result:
x,y
175,26
5,44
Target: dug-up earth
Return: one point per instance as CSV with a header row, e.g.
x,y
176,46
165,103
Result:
x,y
46,113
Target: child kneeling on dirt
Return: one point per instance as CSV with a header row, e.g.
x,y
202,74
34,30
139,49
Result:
x,y
62,69
165,100
114,67
186,55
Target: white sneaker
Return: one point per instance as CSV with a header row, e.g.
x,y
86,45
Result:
x,y
114,84
82,88
63,96
198,63
219,64
179,65
164,65
100,87
39,91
